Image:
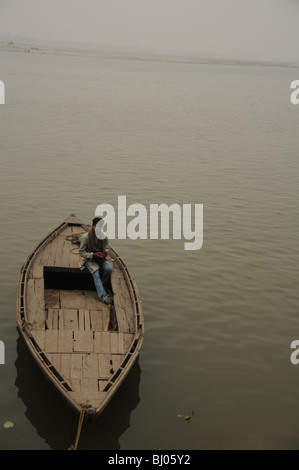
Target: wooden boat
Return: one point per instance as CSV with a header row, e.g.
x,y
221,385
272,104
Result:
x,y
84,347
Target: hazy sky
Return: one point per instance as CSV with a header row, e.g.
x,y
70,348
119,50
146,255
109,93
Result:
x,y
266,29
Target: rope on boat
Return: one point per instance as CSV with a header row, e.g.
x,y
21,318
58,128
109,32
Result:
x,y
75,240
26,324
84,407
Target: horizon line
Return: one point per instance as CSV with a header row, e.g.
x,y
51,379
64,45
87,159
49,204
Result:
x,y
92,50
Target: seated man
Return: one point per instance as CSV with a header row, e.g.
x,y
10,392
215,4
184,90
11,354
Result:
x,y
93,250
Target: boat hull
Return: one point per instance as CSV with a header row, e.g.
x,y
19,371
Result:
x,y
84,347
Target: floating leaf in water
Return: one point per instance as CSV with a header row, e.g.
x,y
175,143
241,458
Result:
x,y
186,417
8,424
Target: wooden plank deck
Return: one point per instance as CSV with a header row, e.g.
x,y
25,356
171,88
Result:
x,y
79,355
35,302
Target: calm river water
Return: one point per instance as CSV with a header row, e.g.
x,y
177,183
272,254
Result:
x,y
77,132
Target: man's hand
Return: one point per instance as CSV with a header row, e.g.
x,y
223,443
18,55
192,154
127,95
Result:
x,y
96,256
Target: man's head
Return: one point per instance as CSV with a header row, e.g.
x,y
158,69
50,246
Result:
x,y
97,227
95,221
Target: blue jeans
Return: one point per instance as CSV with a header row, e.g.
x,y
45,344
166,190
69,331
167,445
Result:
x,y
101,280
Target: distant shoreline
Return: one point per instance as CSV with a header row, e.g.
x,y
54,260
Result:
x,y
10,46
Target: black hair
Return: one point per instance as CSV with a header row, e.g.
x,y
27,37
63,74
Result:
x,y
96,220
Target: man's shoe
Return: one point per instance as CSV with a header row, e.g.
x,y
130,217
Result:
x,y
108,300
